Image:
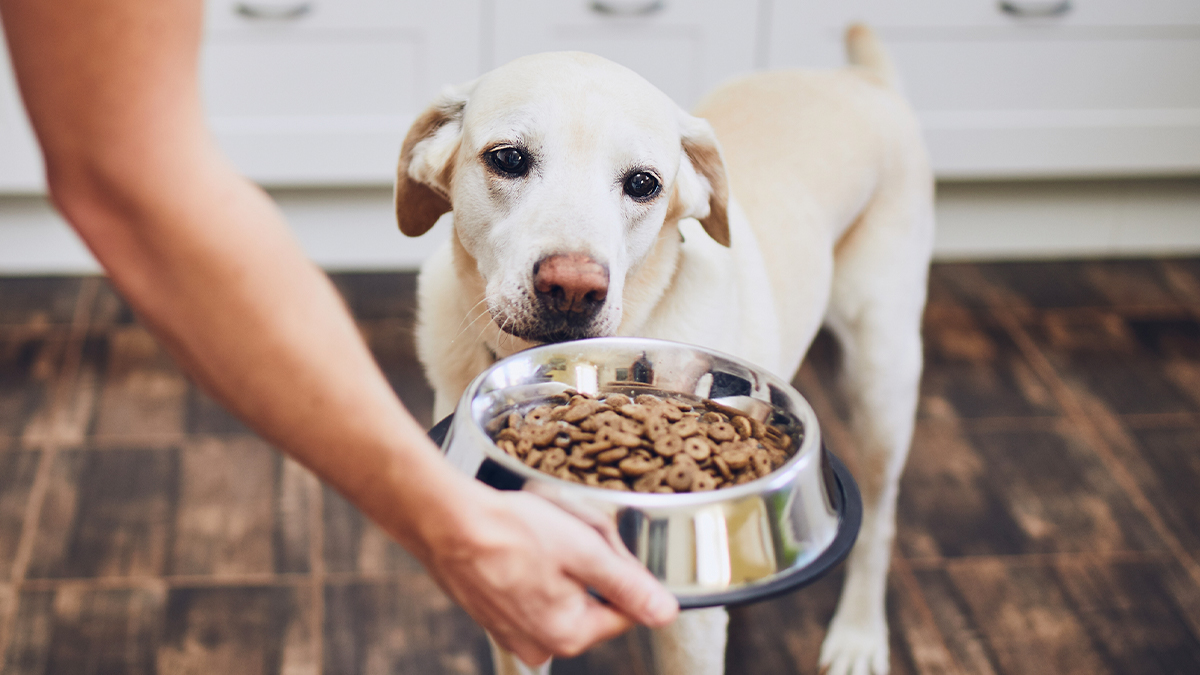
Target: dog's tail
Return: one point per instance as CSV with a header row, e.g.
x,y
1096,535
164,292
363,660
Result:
x,y
864,49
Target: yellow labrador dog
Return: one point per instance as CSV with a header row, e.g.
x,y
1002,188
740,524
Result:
x,y
586,203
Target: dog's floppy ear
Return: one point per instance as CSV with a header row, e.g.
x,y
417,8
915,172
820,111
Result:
x,y
423,176
701,187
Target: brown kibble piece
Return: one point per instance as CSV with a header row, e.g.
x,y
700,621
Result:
x,y
679,477
697,448
649,480
757,429
721,431
632,427
613,455
539,415
514,421
685,427
609,471
539,434
579,409
711,417
703,482
594,447
617,400
636,466
508,434
634,411
657,426
664,490
669,445
581,461
742,426
615,485
534,457
762,462
507,446
737,458
723,467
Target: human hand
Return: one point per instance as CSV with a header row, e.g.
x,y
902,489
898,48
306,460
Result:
x,y
522,566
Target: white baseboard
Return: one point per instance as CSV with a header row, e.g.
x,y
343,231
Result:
x,y
348,229
1068,219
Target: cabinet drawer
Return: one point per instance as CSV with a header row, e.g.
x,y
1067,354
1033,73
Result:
x,y
1098,90
683,47
325,96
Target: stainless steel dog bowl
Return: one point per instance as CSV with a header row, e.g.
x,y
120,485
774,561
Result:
x,y
728,546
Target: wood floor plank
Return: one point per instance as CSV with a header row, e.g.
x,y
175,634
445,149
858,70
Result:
x,y
76,629
405,626
108,513
1011,492
1029,625
31,635
29,361
354,544
392,344
1173,459
225,518
374,295
1131,364
17,471
1062,617
1132,616
38,300
973,370
1130,284
237,631
142,391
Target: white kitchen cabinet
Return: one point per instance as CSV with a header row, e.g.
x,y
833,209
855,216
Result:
x,y
321,92
1028,88
20,159
684,47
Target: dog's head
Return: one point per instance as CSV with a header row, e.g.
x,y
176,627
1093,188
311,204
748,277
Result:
x,y
562,170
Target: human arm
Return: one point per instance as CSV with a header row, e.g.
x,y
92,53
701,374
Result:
x,y
206,260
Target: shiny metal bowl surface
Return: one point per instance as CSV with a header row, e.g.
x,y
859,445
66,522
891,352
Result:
x,y
730,545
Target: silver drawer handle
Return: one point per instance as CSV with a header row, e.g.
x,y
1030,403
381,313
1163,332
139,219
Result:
x,y
252,10
620,8
1037,9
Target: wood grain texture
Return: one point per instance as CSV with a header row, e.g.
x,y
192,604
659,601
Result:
x,y
108,513
29,362
1060,411
17,471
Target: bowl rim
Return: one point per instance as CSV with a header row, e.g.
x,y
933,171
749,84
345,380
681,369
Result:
x,y
809,451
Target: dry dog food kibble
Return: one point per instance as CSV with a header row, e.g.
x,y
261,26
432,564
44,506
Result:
x,y
647,443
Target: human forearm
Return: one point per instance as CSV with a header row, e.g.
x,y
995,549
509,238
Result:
x,y
208,263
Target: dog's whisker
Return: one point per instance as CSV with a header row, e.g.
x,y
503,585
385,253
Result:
x,y
478,316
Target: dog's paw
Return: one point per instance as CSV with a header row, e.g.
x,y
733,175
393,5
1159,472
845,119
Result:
x,y
851,649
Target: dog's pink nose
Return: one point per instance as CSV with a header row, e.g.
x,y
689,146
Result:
x,y
571,282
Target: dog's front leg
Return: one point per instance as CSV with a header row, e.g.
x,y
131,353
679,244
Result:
x,y
694,644
881,376
505,663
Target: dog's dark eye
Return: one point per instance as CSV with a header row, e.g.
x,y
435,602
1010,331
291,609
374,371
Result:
x,y
641,185
508,160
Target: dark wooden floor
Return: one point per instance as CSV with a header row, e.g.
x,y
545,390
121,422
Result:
x,y
1049,519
